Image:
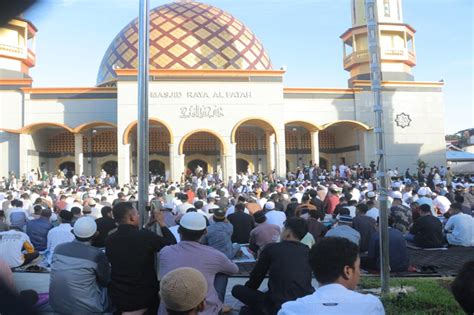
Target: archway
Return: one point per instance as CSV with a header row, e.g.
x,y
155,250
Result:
x,y
160,138
110,167
197,165
242,166
204,146
343,140
323,163
256,138
157,168
68,168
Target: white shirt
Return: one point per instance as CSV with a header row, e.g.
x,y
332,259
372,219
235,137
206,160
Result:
x,y
334,299
461,227
58,235
276,217
373,213
11,245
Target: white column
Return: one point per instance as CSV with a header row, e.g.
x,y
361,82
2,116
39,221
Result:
x,y
78,154
315,147
280,153
23,146
231,162
172,162
270,140
123,156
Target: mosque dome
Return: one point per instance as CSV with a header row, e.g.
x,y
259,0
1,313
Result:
x,y
187,35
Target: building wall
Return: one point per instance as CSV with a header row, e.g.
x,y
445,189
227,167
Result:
x,y
423,137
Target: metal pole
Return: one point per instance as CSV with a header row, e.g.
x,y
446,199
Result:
x,y
376,77
143,142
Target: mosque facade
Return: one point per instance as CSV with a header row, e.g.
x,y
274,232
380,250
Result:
x,y
216,101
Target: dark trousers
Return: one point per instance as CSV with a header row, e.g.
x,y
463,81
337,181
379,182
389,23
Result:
x,y
255,301
220,284
29,257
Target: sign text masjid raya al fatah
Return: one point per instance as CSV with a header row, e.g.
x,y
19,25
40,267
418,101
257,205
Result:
x,y
201,95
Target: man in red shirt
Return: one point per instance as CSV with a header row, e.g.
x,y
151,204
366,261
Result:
x,y
332,199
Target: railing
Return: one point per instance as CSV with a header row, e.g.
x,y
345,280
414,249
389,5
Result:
x,y
390,54
11,49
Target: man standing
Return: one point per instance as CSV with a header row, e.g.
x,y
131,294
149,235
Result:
x,y
336,265
131,252
190,253
79,274
289,273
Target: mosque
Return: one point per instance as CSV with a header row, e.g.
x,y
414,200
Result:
x,y
216,101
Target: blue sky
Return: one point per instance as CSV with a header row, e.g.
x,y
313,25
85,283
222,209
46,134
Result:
x,y
303,35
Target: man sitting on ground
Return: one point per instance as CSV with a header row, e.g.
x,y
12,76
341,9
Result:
x,y
336,265
12,244
263,234
398,252
344,229
460,227
105,224
183,291
134,285
288,268
79,274
427,231
365,225
243,223
219,235
190,253
59,234
38,229
401,215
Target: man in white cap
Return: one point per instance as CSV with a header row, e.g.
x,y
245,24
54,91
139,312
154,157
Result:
x,y
274,216
79,273
190,253
424,193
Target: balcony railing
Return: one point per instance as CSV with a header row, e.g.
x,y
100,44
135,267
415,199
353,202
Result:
x,y
11,49
362,56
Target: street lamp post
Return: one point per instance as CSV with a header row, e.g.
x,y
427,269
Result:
x,y
143,124
376,78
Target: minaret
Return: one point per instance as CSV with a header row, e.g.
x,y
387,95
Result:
x,y
397,43
17,48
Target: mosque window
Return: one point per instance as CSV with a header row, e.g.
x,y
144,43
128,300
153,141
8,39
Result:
x,y
386,8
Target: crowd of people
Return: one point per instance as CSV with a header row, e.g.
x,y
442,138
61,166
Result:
x,y
86,231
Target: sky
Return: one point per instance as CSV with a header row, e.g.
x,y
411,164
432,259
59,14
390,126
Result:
x,y
302,35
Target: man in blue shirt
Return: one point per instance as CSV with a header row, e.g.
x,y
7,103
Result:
x,y
398,252
38,229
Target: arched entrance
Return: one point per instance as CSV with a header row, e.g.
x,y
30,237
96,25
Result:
x,y
242,166
298,144
204,148
68,168
256,138
196,166
323,163
160,138
343,140
157,168
110,167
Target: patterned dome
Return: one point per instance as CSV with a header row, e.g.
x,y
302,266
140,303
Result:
x,y
187,35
